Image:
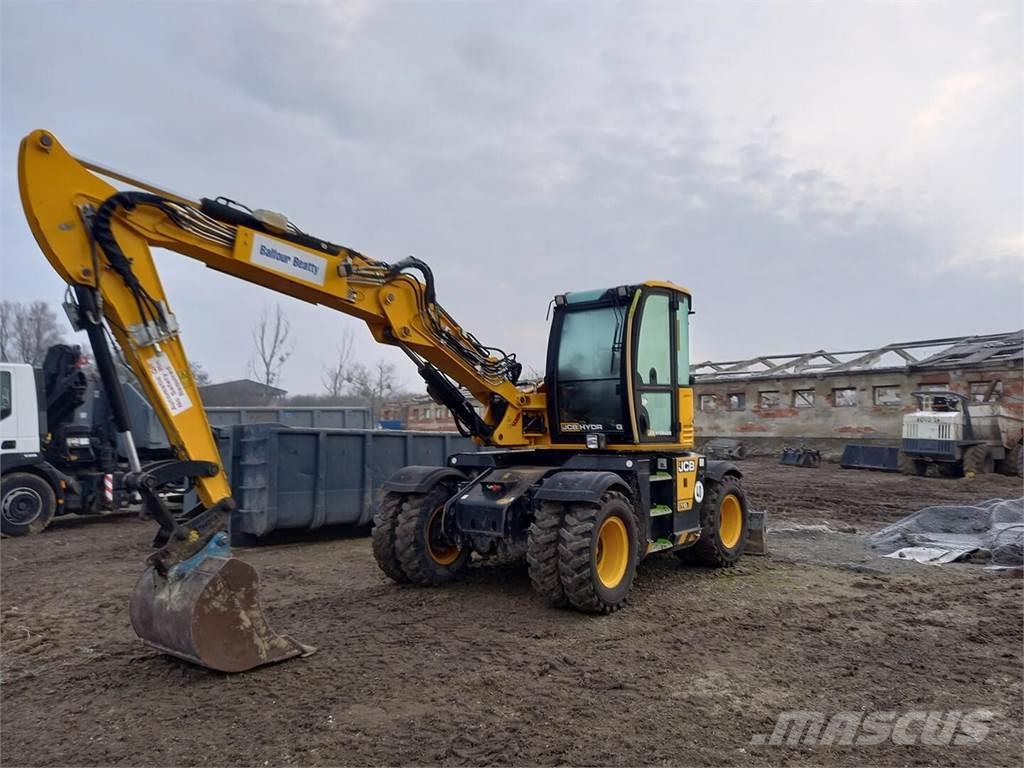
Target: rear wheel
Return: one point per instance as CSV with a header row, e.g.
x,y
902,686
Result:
x,y
427,556
385,529
978,460
598,553
27,504
911,466
723,523
542,552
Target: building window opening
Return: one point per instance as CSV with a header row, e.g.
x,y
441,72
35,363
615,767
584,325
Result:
x,y
887,395
986,391
803,398
844,397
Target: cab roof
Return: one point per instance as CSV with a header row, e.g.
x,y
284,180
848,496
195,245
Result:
x,y
583,297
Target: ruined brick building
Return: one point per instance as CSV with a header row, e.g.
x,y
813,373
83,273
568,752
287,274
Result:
x,y
826,399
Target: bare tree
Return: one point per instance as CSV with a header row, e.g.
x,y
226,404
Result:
x,y
533,374
27,331
337,376
270,337
199,374
375,384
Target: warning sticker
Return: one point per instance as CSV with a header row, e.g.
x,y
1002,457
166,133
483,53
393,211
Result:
x,y
167,382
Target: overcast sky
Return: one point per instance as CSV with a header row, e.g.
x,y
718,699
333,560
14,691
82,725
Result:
x,y
820,175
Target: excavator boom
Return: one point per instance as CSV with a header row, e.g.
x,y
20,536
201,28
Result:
x,y
195,601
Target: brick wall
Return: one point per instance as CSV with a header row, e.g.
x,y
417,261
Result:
x,y
421,414
828,411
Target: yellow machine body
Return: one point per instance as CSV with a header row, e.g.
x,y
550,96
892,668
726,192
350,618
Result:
x,y
98,239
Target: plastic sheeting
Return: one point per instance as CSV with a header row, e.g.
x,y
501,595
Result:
x,y
995,526
931,555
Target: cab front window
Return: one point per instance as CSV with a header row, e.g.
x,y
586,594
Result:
x,y
590,369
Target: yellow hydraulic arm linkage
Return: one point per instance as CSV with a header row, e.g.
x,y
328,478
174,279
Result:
x,y
195,601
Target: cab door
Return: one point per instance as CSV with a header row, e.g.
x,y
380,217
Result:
x,y
655,370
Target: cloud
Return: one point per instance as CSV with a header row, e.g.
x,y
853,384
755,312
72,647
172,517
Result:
x,y
762,159
994,16
951,94
998,255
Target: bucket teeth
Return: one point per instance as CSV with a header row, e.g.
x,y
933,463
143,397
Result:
x,y
209,614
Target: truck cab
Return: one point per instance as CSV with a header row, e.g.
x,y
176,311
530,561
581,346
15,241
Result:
x,y
20,413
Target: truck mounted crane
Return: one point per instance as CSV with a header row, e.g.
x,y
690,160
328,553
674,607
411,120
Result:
x,y
584,474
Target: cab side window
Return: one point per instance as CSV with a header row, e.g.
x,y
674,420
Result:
x,y
5,395
654,348
683,342
654,368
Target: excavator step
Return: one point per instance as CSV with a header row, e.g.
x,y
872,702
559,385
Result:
x,y
659,544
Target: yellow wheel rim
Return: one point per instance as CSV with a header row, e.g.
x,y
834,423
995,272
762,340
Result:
x,y
612,552
730,521
440,551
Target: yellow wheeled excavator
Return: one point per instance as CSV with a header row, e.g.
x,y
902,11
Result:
x,y
584,474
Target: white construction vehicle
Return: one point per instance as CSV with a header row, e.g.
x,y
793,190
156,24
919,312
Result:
x,y
59,449
960,437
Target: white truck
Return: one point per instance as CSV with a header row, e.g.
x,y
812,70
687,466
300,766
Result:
x,y
31,486
59,451
960,437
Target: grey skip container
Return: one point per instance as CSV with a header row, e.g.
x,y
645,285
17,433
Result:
x,y
294,478
321,418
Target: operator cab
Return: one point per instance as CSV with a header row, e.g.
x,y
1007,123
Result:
x,y
618,365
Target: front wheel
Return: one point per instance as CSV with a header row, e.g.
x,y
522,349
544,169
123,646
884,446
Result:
x,y
385,530
542,552
723,525
598,553
427,555
27,504
911,466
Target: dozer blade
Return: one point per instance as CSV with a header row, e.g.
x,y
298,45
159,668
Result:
x,y
207,611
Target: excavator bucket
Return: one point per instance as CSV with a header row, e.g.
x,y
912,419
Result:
x,y
207,611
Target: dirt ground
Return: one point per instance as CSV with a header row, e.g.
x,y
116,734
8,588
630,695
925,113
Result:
x,y
482,673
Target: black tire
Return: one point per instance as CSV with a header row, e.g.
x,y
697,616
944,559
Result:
x,y
909,466
711,550
978,460
949,469
385,528
427,558
580,553
542,553
27,504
